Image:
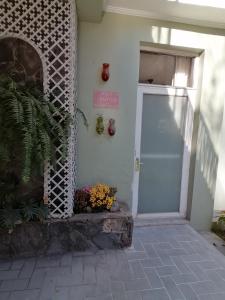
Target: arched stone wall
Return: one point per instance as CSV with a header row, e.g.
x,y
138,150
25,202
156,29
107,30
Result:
x,y
50,27
20,58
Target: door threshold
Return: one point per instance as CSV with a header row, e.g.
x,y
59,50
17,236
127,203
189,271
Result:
x,y
159,219
160,215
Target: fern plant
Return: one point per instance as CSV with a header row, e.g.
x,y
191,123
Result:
x,y
30,128
16,206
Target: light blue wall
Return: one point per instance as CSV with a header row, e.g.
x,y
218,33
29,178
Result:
x,y
116,40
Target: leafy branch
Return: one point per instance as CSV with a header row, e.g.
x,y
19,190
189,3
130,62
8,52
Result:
x,y
30,127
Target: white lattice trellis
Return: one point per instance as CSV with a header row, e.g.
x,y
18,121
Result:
x,y
50,27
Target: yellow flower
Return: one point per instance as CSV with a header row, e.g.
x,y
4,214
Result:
x,y
99,196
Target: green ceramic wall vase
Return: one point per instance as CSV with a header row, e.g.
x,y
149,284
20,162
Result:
x,y
100,125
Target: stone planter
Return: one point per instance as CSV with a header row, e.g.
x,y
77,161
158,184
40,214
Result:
x,y
80,233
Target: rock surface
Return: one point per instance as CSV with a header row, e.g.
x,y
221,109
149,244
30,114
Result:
x,y
80,233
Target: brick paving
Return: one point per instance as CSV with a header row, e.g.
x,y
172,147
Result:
x,y
164,263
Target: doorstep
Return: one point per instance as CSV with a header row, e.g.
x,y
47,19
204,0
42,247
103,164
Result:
x,y
153,221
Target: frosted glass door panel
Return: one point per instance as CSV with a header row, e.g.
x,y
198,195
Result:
x,y
163,125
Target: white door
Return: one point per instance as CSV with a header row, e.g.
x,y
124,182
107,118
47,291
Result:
x,y
162,156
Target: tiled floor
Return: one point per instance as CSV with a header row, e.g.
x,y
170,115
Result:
x,y
165,262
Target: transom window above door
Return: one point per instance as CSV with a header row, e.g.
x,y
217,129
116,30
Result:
x,y
166,69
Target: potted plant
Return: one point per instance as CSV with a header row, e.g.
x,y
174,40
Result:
x,y
97,198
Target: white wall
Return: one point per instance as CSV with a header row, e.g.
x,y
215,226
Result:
x,y
117,41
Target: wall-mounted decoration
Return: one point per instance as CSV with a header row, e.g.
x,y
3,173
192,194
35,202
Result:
x,y
100,125
105,72
106,99
111,127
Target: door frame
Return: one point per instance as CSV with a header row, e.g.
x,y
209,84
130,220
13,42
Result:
x,y
190,93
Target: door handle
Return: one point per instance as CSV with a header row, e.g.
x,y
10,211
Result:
x,y
138,164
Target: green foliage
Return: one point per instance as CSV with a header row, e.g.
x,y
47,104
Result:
x,y
42,212
29,209
30,128
17,207
221,219
85,120
10,217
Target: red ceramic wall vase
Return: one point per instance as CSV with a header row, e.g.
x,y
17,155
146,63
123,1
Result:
x,y
105,72
111,127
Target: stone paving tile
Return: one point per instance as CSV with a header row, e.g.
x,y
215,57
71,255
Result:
x,y
51,261
137,269
175,244
164,263
28,268
158,294
221,273
151,262
6,275
204,287
159,246
79,292
4,295
137,285
131,295
150,250
209,265
17,264
181,266
137,245
61,293
66,260
216,296
48,289
106,297
117,287
172,289
184,278
37,279
5,265
188,248
217,280
57,271
200,273
166,260
172,252
167,270
196,257
89,274
153,278
25,295
136,255
14,285
119,296
188,292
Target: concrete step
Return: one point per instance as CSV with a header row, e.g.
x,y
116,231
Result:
x,y
153,221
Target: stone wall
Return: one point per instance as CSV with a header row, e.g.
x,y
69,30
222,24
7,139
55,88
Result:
x,y
84,232
20,60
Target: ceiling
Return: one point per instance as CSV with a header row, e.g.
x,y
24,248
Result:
x,y
90,10
208,13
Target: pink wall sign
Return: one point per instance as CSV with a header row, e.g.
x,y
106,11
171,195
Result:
x,y
105,99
